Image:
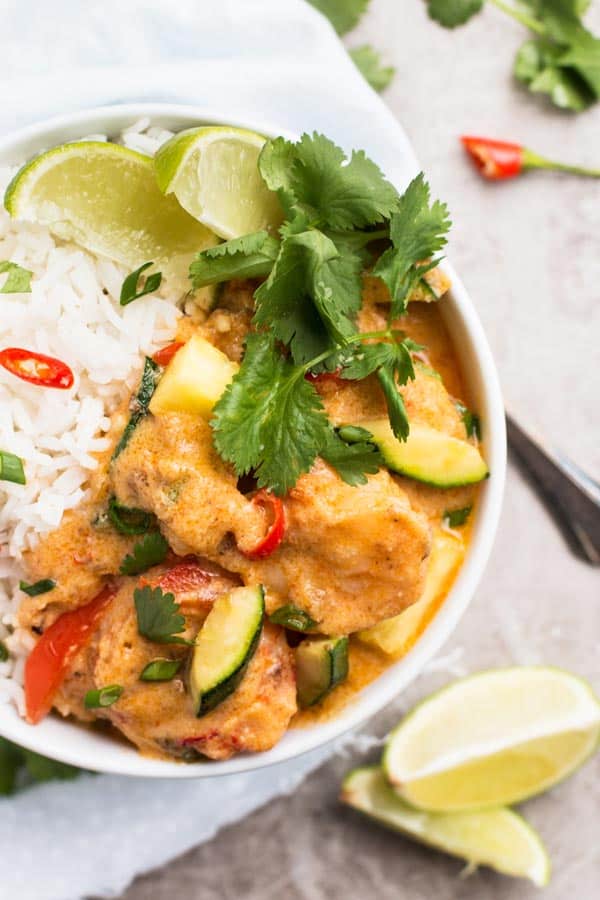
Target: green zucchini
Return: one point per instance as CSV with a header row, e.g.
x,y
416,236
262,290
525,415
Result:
x,y
321,664
428,455
140,403
225,645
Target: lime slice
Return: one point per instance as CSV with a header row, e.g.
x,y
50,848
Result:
x,y
498,837
104,197
214,174
493,739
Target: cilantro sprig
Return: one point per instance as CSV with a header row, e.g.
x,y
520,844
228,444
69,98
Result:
x,y
158,616
342,216
562,60
18,280
149,551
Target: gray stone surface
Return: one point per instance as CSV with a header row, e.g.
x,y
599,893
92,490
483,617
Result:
x,y
528,253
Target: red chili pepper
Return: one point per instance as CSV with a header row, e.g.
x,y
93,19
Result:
x,y
497,160
494,159
274,535
49,661
37,368
164,356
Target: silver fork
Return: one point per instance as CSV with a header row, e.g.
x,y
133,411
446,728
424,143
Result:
x,y
570,494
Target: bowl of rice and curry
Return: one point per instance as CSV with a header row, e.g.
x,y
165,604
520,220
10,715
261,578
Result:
x,y
251,440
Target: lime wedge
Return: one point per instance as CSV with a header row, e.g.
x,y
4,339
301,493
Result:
x,y
104,197
214,174
499,837
493,739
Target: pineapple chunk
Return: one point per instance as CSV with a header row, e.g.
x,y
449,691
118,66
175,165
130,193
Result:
x,y
194,380
397,635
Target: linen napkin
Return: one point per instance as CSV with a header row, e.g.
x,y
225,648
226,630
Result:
x,y
275,59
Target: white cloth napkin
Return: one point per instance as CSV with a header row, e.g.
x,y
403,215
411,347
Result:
x,y
278,59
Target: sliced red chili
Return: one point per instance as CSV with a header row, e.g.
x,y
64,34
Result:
x,y
36,368
276,530
164,356
494,159
187,574
49,661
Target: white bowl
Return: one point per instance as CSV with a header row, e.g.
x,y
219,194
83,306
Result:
x,y
69,742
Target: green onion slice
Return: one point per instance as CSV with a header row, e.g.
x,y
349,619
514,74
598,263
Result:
x,y
292,617
39,587
106,696
11,468
127,520
161,670
4,654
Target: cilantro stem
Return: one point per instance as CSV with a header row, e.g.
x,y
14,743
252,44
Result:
x,y
389,333
532,160
519,16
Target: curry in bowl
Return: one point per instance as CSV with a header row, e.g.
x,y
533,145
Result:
x,y
281,503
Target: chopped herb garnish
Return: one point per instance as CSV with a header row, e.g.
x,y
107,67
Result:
x,y
343,14
18,280
292,617
161,670
4,654
454,518
470,419
19,768
103,697
150,551
368,61
11,468
129,289
140,402
270,420
158,616
562,60
39,587
127,520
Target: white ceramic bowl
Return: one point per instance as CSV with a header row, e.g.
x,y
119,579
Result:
x,y
70,743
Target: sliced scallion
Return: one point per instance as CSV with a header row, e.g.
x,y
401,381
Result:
x,y
161,670
103,697
39,587
11,468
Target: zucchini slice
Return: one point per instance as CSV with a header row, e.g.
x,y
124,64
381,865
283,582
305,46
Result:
x,y
321,664
225,645
194,379
428,455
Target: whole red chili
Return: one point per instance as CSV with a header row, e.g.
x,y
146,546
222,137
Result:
x,y
37,368
497,160
164,356
274,536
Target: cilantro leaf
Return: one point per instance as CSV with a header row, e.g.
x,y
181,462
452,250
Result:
x,y
538,64
352,461
314,177
270,419
310,271
470,419
451,13
158,616
368,61
130,290
344,15
250,256
18,280
417,232
150,551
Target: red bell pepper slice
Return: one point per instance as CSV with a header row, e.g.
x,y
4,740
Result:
x,y
164,356
49,661
276,530
36,368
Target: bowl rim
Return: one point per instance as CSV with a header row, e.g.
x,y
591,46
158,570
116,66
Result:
x,y
69,742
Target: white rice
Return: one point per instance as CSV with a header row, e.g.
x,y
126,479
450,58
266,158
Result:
x,y
72,313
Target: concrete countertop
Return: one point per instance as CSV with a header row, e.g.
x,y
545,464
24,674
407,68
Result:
x,y
528,253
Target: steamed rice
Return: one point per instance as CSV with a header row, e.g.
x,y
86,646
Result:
x,y
72,313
